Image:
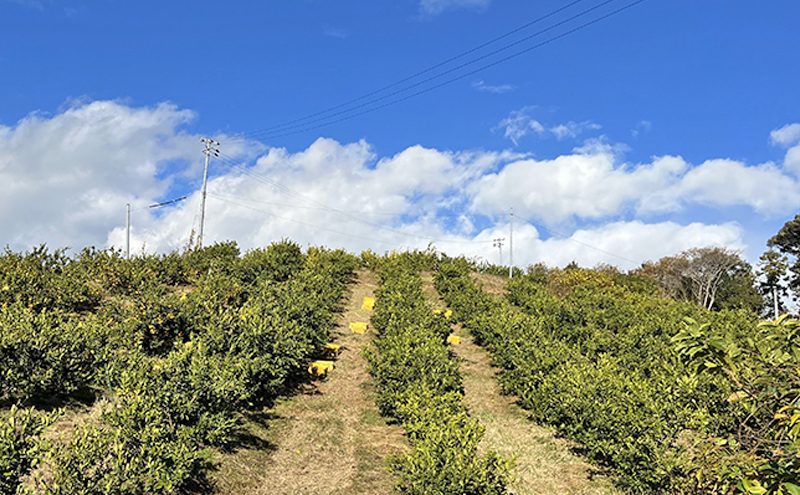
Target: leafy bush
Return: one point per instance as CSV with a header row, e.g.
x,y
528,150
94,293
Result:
x,y
45,354
596,360
20,447
279,262
420,386
40,280
763,369
176,364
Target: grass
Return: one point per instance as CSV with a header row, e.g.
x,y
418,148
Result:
x,y
328,438
546,464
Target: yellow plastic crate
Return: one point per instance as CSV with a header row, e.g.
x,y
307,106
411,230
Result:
x,y
448,313
333,350
320,368
358,327
453,340
368,304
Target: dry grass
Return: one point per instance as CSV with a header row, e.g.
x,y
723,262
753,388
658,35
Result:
x,y
491,284
546,464
329,438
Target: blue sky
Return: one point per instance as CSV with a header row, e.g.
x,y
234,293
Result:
x,y
707,82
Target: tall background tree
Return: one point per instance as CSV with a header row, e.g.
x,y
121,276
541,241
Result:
x,y
773,280
787,242
714,278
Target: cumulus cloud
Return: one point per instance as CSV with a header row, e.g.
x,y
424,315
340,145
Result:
x,y
724,182
65,180
520,123
593,183
434,7
488,88
623,244
788,136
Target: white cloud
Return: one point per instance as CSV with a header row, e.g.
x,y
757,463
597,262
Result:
x,y
434,7
65,179
623,244
332,194
487,88
788,136
593,183
582,185
642,126
725,182
520,123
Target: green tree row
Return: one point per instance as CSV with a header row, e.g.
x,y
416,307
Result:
x,y
173,348
420,387
613,367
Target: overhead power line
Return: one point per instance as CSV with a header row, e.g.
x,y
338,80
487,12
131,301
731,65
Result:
x,y
297,195
295,127
570,238
318,227
165,203
303,207
422,72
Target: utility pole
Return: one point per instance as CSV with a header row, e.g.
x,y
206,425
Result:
x,y
128,235
209,150
511,246
498,243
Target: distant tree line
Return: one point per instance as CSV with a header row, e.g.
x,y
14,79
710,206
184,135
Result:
x,y
717,278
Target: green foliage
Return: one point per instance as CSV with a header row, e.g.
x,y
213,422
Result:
x,y
763,367
416,259
773,284
45,354
596,359
104,461
420,386
20,446
177,344
41,281
279,262
114,275
222,255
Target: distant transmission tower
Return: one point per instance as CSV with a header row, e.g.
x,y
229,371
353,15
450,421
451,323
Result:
x,y
210,149
498,243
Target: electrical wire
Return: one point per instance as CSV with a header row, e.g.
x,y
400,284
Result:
x,y
281,129
318,208
458,78
420,73
283,189
325,122
318,227
570,238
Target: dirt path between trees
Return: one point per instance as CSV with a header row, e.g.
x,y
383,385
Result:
x,y
546,463
329,438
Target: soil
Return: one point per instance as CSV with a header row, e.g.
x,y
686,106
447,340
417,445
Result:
x,y
545,463
327,439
